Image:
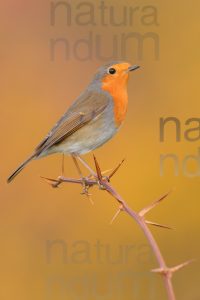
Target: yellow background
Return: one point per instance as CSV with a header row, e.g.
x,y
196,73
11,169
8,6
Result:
x,y
34,92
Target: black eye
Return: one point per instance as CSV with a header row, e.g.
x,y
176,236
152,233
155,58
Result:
x,y
112,71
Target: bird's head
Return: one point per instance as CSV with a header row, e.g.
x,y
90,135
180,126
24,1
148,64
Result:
x,y
115,73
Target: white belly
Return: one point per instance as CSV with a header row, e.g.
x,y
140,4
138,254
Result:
x,y
89,137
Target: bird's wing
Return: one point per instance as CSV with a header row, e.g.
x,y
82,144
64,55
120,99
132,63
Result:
x,y
80,113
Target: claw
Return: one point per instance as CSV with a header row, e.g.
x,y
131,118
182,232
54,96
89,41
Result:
x,y
85,191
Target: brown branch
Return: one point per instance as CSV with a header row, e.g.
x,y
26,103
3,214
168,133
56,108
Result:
x,y
103,182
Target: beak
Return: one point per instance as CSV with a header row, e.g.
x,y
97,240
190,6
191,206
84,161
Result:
x,y
133,68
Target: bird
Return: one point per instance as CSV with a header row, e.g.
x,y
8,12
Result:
x,y
92,119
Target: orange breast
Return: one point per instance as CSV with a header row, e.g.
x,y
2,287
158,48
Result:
x,y
118,91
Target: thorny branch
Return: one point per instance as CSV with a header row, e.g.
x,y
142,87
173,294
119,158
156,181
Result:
x,y
98,178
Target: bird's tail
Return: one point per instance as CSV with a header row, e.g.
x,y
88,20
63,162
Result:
x,y
20,168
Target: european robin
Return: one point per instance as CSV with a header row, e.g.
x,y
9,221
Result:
x,y
93,119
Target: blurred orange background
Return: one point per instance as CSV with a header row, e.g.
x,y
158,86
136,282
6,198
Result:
x,y
35,92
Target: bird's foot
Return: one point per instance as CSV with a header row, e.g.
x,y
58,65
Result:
x,y
86,188
100,185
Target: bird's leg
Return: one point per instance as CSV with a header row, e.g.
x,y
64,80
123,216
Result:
x,y
87,166
55,183
63,165
85,185
77,166
103,174
60,178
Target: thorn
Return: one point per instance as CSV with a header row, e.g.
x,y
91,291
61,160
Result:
x,y
171,271
89,197
121,208
181,266
116,169
158,225
53,182
49,179
144,211
106,171
99,174
91,176
115,216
